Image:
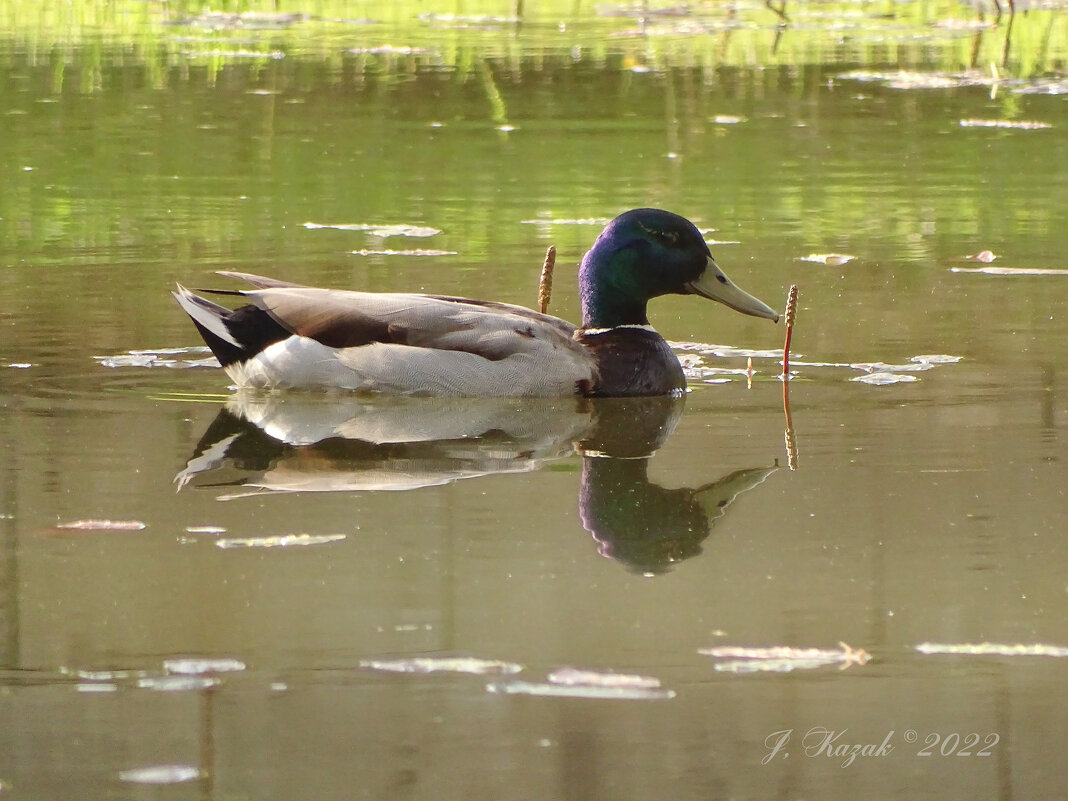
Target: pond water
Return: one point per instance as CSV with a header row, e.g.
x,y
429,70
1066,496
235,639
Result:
x,y
336,597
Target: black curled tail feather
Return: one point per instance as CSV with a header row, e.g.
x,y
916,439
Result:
x,y
233,336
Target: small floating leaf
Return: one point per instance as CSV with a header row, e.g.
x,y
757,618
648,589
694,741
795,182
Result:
x,y
881,379
915,366
984,256
936,358
127,360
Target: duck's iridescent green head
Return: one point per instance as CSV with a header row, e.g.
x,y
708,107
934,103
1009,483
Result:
x,y
645,253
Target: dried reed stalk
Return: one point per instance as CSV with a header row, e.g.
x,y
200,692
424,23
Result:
x,y
791,313
545,286
791,440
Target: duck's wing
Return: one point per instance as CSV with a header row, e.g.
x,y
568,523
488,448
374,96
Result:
x,y
341,318
258,281
415,344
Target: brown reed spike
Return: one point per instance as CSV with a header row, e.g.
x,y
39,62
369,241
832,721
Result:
x,y
545,286
791,440
791,313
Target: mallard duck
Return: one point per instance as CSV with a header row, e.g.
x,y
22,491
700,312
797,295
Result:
x,y
293,336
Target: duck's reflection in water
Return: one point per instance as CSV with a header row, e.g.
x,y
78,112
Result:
x,y
264,442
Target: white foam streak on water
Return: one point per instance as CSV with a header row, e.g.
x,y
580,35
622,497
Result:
x,y
518,687
278,541
442,665
194,667
160,774
993,649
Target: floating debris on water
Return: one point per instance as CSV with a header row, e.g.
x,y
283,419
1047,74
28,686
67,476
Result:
x,y
466,19
102,675
565,221
160,774
727,119
907,79
205,530
416,252
518,687
591,678
882,379
278,541
196,667
271,54
126,360
725,351
177,684
378,230
1017,124
1040,86
97,687
388,50
783,659
1009,270
445,664
985,256
881,367
103,525
20,365
993,649
936,358
832,259
159,358
247,20
691,355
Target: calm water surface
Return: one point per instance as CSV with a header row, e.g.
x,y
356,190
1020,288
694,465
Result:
x,y
267,557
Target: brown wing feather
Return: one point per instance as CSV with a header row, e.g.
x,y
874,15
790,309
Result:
x,y
343,319
258,281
